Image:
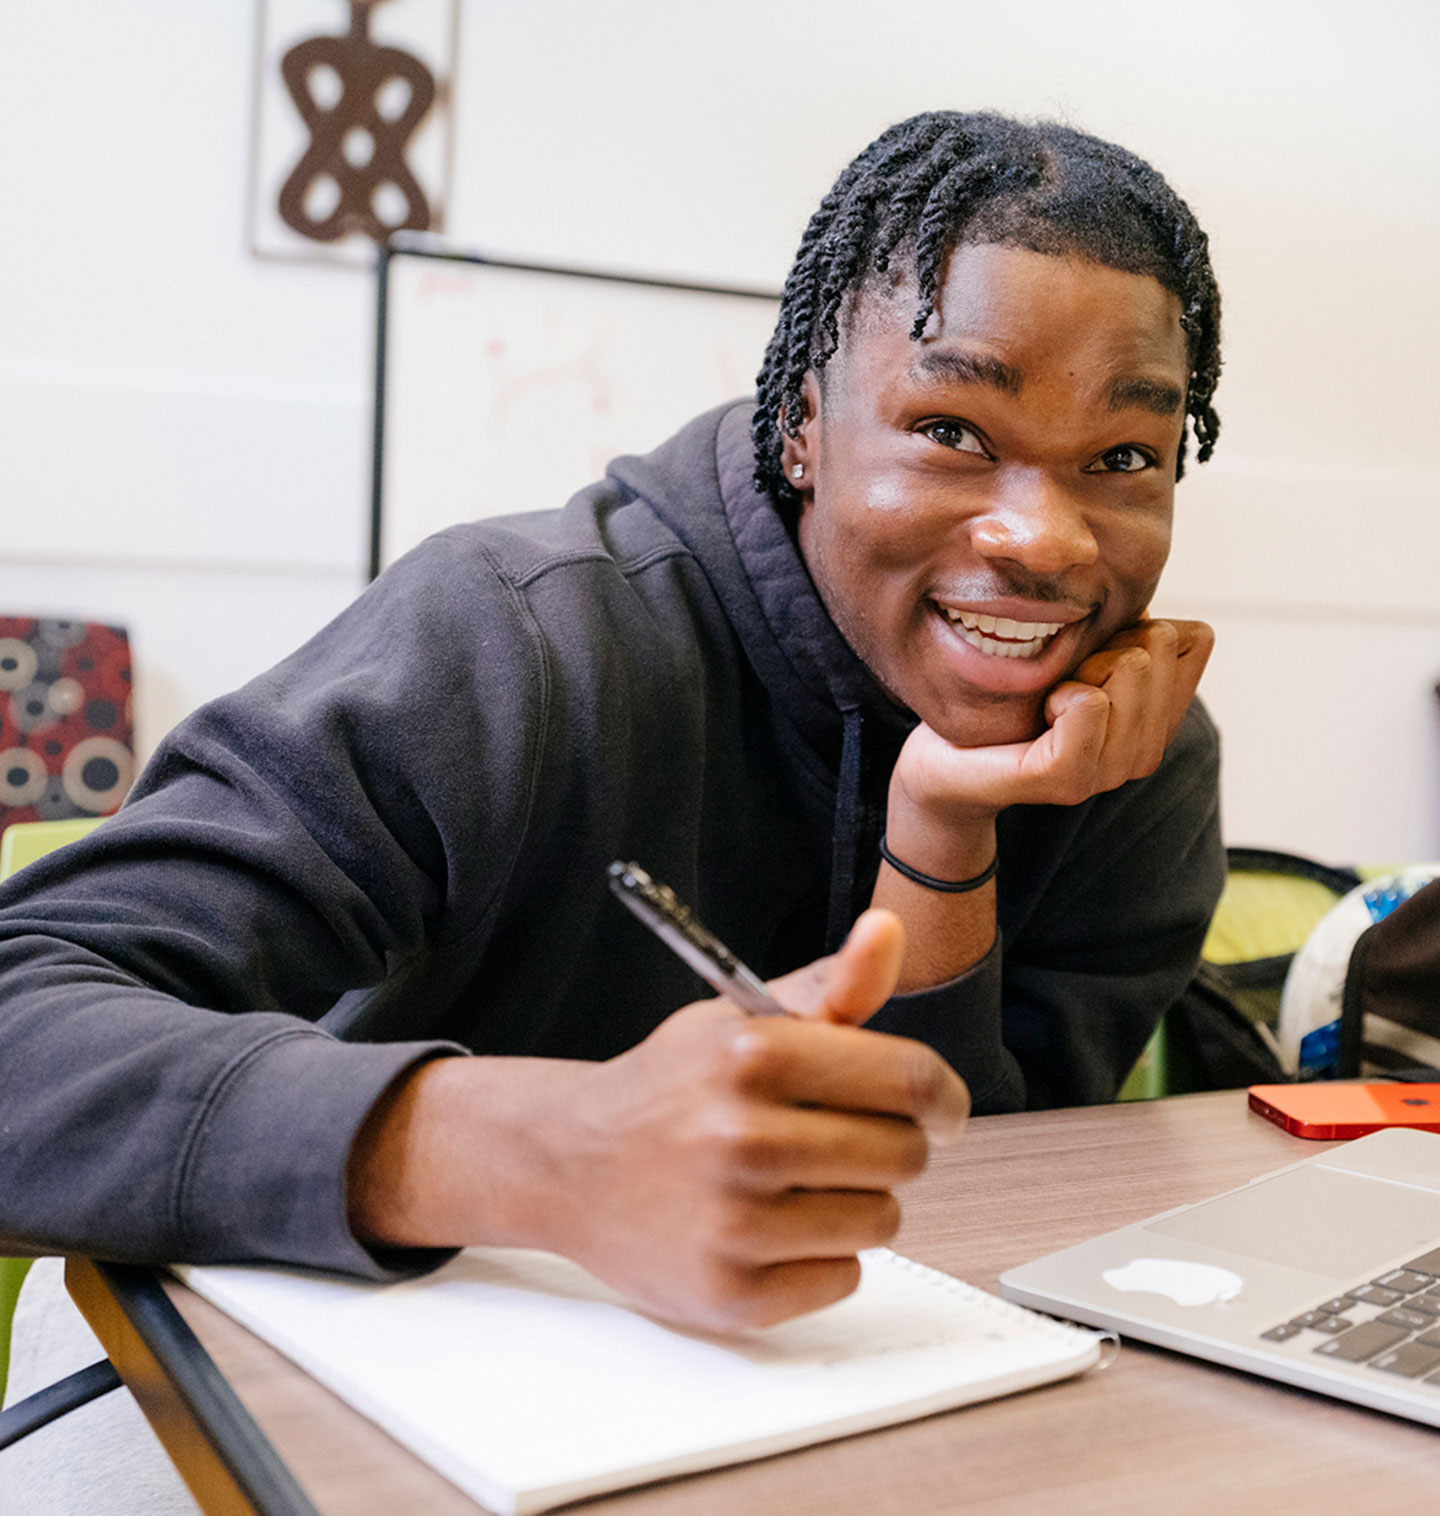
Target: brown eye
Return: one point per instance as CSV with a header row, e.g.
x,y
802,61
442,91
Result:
x,y
957,436
1123,460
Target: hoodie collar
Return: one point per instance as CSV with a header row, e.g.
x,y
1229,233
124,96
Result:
x,y
702,484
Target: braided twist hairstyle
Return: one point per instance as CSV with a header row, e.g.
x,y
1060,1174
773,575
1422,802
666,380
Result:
x,y
945,178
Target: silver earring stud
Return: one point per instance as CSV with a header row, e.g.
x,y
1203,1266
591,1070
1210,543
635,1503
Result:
x,y
798,472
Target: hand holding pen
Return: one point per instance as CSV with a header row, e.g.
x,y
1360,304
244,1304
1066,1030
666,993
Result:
x,y
876,941
723,1172
876,937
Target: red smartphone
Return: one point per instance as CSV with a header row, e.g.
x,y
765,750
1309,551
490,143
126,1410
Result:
x,y
1347,1110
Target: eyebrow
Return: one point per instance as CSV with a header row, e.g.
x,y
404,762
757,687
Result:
x,y
980,368
1149,394
968,368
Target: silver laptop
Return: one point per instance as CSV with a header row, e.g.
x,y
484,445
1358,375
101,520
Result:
x,y
1325,1274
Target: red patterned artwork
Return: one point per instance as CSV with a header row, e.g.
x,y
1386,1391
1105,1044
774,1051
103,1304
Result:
x,y
66,733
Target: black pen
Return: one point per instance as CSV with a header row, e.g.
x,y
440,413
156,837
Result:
x,y
674,923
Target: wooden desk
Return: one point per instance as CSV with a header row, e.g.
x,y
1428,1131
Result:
x,y
1155,1433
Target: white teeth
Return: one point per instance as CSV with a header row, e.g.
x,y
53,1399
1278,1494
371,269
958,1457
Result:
x,y
1002,649
1023,639
1003,626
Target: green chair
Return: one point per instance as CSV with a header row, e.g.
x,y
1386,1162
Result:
x,y
24,841
12,1276
1150,1078
21,844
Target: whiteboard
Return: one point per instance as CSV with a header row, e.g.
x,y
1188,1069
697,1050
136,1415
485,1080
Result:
x,y
503,388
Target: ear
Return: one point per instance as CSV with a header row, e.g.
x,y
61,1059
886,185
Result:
x,y
803,452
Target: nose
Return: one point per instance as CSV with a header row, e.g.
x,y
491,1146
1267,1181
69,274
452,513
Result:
x,y
1038,523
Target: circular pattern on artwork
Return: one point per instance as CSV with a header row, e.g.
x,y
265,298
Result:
x,y
22,776
59,634
30,707
18,663
55,804
101,715
66,696
63,683
97,773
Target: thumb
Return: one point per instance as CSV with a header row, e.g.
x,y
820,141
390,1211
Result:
x,y
851,985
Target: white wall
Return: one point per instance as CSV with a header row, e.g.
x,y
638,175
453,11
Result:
x,y
184,430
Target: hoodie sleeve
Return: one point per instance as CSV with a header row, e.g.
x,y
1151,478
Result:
x,y
165,1091
1105,909
961,1019
1116,936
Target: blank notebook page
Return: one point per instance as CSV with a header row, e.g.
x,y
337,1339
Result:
x,y
528,1383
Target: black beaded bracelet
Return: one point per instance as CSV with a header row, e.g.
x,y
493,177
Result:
x,y
949,886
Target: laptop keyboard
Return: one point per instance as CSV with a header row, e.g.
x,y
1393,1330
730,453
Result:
x,y
1391,1324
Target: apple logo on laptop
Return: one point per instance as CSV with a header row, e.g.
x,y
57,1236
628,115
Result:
x,y
1179,1279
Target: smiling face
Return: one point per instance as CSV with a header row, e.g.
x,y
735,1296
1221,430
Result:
x,y
984,508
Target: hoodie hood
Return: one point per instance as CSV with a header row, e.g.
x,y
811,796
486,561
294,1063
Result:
x,y
701,484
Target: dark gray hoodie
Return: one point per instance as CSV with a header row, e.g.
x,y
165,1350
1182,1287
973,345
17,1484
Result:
x,y
396,841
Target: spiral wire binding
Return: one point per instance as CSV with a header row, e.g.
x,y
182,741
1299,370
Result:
x,y
1050,1325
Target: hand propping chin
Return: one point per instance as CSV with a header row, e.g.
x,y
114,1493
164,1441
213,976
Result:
x,y
1110,723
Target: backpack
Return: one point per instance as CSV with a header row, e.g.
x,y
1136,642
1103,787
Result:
x,y
1220,1034
1390,1007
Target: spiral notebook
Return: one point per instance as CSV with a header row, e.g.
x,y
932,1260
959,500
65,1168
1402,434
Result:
x,y
528,1383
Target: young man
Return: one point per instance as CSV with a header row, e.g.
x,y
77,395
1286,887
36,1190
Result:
x,y
852,644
